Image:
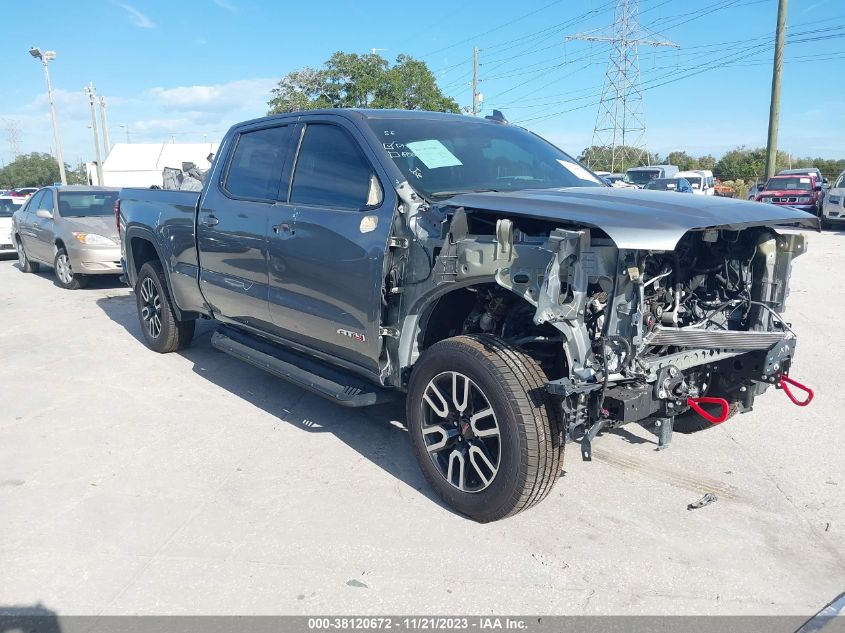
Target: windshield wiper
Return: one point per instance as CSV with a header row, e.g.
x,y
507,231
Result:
x,y
449,194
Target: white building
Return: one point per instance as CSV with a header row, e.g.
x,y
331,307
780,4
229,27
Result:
x,y
141,164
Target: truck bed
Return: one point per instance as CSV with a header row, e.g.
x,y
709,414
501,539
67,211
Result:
x,y
168,219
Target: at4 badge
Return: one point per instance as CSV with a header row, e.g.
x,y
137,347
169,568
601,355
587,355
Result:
x,y
353,335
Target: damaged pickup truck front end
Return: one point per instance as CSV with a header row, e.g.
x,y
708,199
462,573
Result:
x,y
640,307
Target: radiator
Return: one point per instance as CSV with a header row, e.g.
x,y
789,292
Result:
x,y
713,339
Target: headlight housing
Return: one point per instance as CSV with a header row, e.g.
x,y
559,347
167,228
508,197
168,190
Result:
x,y
92,239
804,199
765,199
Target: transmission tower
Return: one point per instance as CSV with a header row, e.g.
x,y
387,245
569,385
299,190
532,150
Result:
x,y
13,135
620,123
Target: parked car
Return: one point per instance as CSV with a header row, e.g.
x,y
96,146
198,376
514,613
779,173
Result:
x,y
709,184
678,185
515,300
805,171
640,176
618,180
22,192
72,229
8,205
833,212
799,191
755,189
700,183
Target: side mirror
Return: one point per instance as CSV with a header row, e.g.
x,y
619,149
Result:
x,y
44,214
817,188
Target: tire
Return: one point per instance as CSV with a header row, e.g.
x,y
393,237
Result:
x,y
162,331
65,276
527,453
24,263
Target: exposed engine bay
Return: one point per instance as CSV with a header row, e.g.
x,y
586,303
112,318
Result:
x,y
624,334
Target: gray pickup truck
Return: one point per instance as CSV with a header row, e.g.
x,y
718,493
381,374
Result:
x,y
516,301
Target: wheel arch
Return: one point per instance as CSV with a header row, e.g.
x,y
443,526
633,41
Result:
x,y
141,248
433,316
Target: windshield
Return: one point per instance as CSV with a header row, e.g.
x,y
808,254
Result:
x,y
441,158
7,208
641,176
83,204
801,183
663,184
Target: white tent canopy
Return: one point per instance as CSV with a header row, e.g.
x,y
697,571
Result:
x,y
141,164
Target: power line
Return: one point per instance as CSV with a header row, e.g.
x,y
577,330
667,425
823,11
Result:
x,y
620,124
699,68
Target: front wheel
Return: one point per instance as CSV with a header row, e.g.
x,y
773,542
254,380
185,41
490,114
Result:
x,y
162,331
485,432
64,272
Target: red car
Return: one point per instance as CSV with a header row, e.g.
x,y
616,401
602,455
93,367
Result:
x,y
800,191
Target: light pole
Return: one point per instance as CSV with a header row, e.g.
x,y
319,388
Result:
x,y
45,58
126,127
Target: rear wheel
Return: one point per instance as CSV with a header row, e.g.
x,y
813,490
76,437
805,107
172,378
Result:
x,y
162,331
485,432
64,272
24,263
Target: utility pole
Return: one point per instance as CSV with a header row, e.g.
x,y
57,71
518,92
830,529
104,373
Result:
x,y
475,81
106,141
620,122
126,128
774,106
45,58
89,90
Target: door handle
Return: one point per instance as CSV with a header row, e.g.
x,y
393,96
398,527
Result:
x,y
211,221
284,227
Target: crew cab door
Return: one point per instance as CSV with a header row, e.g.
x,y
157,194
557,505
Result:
x,y
327,249
233,221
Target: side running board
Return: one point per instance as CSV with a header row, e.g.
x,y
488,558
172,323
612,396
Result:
x,y
307,373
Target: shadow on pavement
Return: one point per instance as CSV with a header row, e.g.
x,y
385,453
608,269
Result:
x,y
377,433
95,282
34,619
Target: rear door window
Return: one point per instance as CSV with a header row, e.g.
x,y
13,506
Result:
x,y
332,171
255,170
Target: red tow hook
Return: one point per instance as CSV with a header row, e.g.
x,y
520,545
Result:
x,y
784,383
695,405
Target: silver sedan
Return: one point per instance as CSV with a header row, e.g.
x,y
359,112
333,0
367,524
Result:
x,y
71,229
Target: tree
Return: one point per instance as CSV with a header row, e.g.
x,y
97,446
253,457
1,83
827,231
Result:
x,y
746,164
706,162
600,158
77,176
37,169
349,80
684,161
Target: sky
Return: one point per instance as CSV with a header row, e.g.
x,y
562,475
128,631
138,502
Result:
x,y
186,71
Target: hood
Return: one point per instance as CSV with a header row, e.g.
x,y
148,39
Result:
x,y
101,225
635,218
